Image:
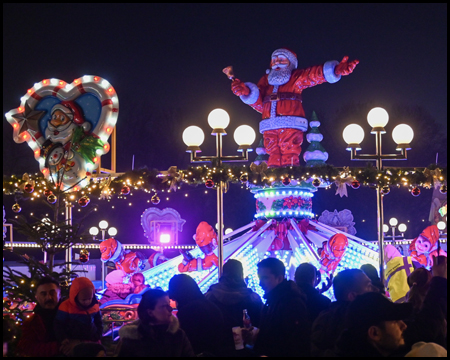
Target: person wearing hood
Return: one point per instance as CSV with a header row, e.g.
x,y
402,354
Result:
x,y
157,333
232,296
38,336
201,319
284,327
78,318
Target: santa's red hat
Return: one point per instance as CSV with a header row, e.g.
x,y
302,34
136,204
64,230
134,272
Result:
x,y
71,109
292,56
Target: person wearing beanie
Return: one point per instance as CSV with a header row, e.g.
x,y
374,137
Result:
x,y
115,287
278,97
78,318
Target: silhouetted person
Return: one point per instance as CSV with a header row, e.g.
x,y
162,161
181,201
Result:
x,y
372,274
306,279
199,318
38,336
330,323
419,283
375,327
157,332
284,328
232,296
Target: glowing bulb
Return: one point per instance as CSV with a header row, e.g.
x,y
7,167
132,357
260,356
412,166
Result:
x,y
218,119
103,224
193,136
403,134
393,221
244,135
377,117
353,134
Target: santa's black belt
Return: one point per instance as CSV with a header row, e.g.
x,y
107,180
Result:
x,y
282,96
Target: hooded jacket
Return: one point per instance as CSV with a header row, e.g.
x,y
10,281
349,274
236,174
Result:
x,y
285,327
232,297
140,340
75,322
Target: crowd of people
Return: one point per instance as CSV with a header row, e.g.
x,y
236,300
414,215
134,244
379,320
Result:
x,y
295,320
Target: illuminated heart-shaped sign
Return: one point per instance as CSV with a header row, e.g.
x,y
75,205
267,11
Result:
x,y
67,126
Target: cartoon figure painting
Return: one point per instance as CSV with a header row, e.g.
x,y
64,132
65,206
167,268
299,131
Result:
x,y
206,239
332,252
425,246
67,126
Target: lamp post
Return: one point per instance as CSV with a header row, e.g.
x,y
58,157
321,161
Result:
x,y
193,137
402,135
393,222
112,231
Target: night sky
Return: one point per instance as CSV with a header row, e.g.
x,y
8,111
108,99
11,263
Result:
x,y
166,61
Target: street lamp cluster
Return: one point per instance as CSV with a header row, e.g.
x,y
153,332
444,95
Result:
x,y
112,231
193,137
402,135
393,222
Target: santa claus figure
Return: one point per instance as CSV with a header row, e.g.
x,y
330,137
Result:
x,y
425,246
69,146
206,239
278,96
332,252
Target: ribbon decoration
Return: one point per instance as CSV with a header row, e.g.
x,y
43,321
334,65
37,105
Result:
x,y
173,175
26,180
104,187
259,169
432,178
341,185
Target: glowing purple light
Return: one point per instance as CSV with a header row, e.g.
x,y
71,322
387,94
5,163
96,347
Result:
x,y
164,238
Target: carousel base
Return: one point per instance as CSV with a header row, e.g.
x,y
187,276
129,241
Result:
x,y
257,242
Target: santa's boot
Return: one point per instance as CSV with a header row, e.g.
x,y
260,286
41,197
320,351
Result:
x,y
274,160
290,160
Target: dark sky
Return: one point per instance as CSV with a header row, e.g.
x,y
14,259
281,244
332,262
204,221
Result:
x,y
166,61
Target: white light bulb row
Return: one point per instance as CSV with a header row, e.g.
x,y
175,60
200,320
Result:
x,y
278,193
278,213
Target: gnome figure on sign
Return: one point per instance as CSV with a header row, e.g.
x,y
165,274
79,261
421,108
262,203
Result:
x,y
278,96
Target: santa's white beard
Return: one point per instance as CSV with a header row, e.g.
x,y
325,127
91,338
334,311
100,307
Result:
x,y
279,77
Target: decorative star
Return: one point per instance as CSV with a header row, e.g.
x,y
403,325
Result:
x,y
28,119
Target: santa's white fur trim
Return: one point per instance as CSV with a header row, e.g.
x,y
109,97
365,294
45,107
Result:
x,y
328,71
253,96
289,54
283,122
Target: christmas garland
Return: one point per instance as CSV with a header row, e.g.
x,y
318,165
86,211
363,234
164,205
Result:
x,y
156,181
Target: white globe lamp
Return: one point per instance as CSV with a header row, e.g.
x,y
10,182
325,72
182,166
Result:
x,y
393,221
378,119
403,134
218,119
353,135
244,136
193,137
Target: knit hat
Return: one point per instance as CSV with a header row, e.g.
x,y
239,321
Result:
x,y
71,110
423,349
292,56
115,276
